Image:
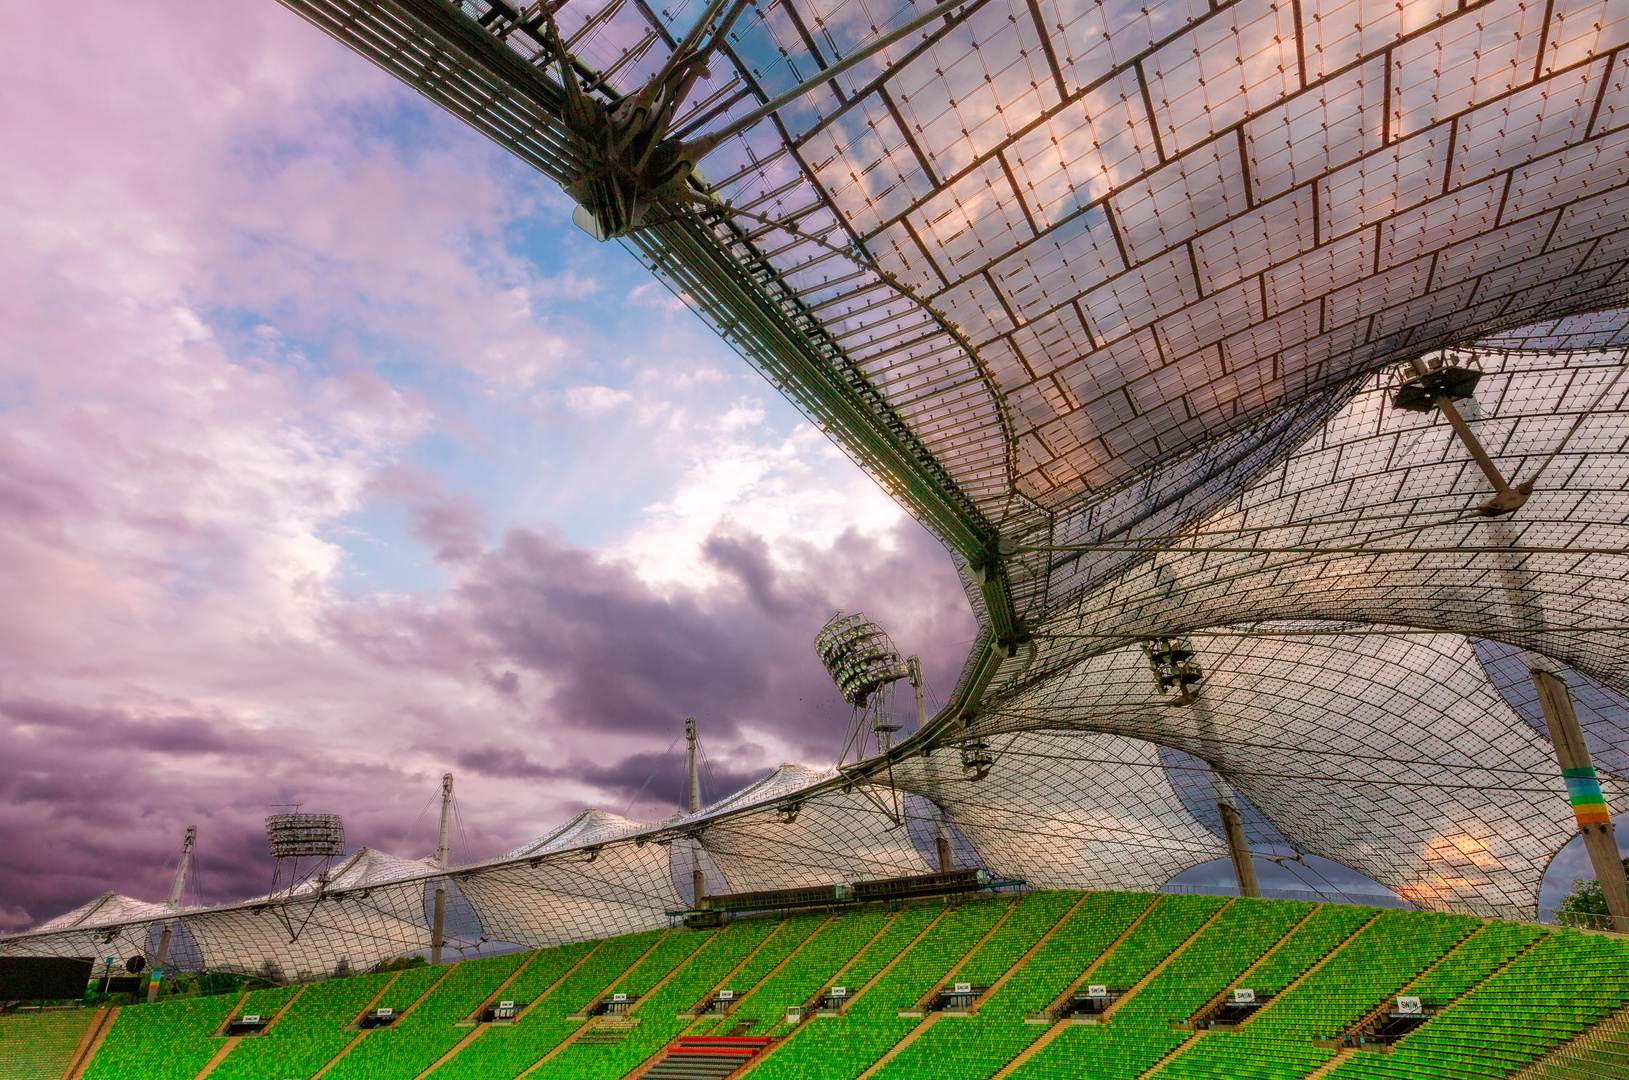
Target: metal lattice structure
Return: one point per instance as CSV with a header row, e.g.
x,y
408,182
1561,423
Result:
x,y
305,836
858,655
1116,299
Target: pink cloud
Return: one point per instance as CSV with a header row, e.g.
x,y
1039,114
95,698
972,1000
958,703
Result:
x,y
210,259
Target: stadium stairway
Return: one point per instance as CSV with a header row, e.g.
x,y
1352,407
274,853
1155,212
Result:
x,y
90,1042
704,1057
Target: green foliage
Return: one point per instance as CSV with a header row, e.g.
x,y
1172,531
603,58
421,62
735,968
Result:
x,y
403,963
1586,897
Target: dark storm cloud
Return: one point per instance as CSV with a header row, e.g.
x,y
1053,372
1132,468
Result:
x,y
505,762
651,784
183,459
111,728
580,673
452,526
620,657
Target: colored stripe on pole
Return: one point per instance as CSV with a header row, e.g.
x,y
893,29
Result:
x,y
1584,792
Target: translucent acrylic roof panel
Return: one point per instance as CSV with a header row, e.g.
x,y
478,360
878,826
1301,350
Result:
x,y
1374,519
591,826
836,837
1021,258
573,894
308,938
1392,754
111,925
1154,225
1069,810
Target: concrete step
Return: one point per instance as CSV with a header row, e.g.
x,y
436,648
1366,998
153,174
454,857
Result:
x,y
704,1058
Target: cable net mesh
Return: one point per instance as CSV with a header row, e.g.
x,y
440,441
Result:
x,y
1365,699
1121,284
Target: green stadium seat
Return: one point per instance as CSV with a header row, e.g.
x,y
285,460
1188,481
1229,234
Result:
x,y
1502,995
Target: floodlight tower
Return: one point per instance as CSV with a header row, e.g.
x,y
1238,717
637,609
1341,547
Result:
x,y
698,879
1172,660
443,853
862,661
177,884
296,836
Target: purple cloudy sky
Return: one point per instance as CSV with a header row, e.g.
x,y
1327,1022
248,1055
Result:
x,y
334,457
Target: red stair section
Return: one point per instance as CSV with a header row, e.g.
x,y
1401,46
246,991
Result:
x,y
704,1057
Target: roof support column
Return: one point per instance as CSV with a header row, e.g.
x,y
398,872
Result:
x,y
177,885
443,851
1238,848
1583,790
1506,498
698,877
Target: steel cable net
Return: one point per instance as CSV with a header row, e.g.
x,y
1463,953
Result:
x,y
1415,757
1105,288
1042,247
1375,520
1393,755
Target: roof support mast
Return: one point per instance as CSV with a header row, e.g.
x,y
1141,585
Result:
x,y
1437,387
443,853
1583,789
177,884
698,878
1238,849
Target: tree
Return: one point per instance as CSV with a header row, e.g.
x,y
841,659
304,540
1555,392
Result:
x,y
1586,897
402,963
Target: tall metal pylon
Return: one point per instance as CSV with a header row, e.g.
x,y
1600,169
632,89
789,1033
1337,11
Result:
x,y
443,853
698,879
1583,788
177,884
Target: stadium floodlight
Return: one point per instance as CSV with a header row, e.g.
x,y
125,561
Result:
x,y
1419,387
862,661
302,836
859,656
1433,383
976,761
1172,660
294,836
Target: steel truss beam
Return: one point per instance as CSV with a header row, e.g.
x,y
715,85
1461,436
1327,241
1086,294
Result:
x,y
433,46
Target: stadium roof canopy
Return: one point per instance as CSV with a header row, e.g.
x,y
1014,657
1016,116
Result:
x,y
1113,298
